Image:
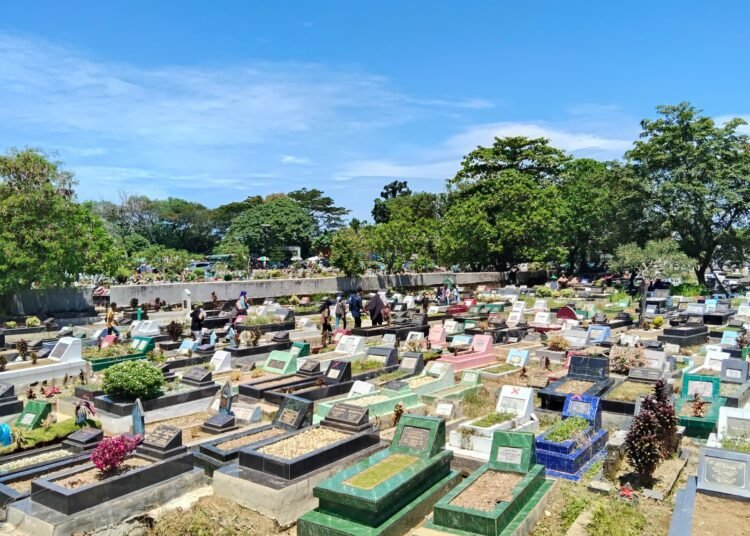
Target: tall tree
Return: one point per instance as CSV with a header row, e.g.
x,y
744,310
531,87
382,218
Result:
x,y
275,223
223,215
328,216
658,259
350,251
380,212
533,157
699,178
184,225
47,238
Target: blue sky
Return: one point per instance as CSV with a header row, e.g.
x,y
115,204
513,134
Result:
x,y
217,101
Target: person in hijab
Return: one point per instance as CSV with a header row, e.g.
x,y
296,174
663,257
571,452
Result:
x,y
375,309
242,304
325,318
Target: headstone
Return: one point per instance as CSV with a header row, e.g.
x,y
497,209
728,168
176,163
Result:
x,y
147,328
187,346
733,423
351,345
347,417
221,361
588,366
67,350
517,358
226,397
361,388
734,370
706,387
724,472
387,356
230,334
212,339
714,359
220,423
437,335
541,319
514,318
139,418
197,377
83,440
281,363
576,337
164,442
519,307
516,400
6,435
389,340
655,359
540,305
33,414
445,410
451,327
696,309
598,333
414,336
338,371
108,341
587,407
645,373
294,413
412,363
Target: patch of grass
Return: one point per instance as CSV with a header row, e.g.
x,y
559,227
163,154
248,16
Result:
x,y
593,470
573,507
363,365
739,444
565,430
616,518
40,437
629,391
493,418
477,403
395,375
381,471
499,369
546,420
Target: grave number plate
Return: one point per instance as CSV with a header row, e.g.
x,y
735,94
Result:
x,y
725,472
276,364
582,409
289,416
509,455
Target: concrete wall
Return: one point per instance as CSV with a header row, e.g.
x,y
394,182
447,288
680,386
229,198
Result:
x,y
30,302
269,288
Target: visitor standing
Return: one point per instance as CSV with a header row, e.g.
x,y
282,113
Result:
x,y
196,322
455,295
375,309
325,320
340,311
355,306
425,303
111,322
242,304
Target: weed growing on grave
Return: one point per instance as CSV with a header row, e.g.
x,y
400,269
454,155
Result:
x,y
567,429
557,343
112,451
622,358
3,363
494,418
737,443
11,324
477,403
33,322
614,517
363,365
658,322
574,505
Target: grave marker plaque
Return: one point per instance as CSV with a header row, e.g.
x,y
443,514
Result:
x,y
738,427
197,376
294,413
725,472
414,438
348,414
164,437
645,373
579,409
509,455
444,410
59,350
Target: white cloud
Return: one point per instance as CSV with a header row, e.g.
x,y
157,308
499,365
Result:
x,y
296,160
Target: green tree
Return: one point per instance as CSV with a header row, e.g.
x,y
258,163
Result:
x,y
534,157
658,259
698,174
47,238
467,238
394,243
350,251
169,262
277,222
135,242
392,190
328,216
223,215
184,225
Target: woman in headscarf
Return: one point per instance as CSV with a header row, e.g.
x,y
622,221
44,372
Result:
x,y
375,309
325,319
242,304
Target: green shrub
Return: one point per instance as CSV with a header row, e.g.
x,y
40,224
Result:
x,y
33,322
200,273
122,275
11,324
542,292
567,293
133,379
275,274
228,277
688,290
615,517
658,322
567,429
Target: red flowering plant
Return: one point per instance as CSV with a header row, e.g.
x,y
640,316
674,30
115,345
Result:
x,y
112,451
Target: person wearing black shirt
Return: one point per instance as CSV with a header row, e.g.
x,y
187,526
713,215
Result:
x,y
355,306
196,322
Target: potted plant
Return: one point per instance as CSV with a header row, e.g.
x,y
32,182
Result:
x,y
557,346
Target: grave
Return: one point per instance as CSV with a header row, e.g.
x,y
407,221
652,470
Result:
x,y
515,511
163,442
380,402
517,357
734,424
435,376
65,358
280,370
388,341
471,382
146,328
83,440
277,476
570,458
544,321
294,414
412,363
626,395
513,412
586,376
724,479
689,330
281,341
735,383
480,354
198,377
349,347
577,337
598,333
224,420
418,323
33,414
709,389
437,337
9,402
389,492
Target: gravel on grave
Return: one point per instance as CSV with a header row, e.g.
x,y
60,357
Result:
x,y
250,438
488,490
303,443
418,382
93,475
367,400
24,486
31,460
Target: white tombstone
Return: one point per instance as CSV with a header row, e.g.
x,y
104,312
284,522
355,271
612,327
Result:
x,y
445,410
451,326
714,358
389,340
517,400
147,328
409,302
351,344
541,319
414,336
743,312
67,350
514,319
577,338
733,422
569,323
540,305
629,340
360,388
433,310
519,307
671,349
221,361
655,359
135,325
